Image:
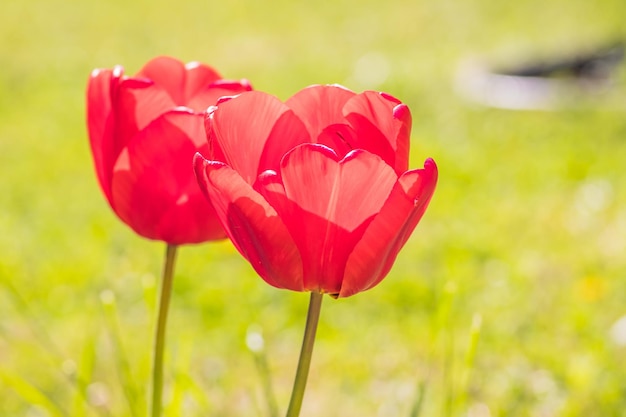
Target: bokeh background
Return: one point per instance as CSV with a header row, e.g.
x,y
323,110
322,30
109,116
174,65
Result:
x,y
506,301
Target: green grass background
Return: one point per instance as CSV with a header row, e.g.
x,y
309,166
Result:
x,y
526,234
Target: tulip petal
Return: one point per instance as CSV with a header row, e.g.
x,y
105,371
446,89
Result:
x,y
254,130
204,86
169,75
157,88
375,253
101,123
139,101
344,192
326,205
252,224
198,79
320,107
382,125
153,187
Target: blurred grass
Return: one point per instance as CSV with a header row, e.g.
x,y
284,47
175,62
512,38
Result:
x,y
527,228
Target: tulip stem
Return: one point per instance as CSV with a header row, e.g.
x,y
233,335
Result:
x,y
159,336
299,385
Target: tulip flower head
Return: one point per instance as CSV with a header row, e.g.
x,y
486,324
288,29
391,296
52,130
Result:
x,y
143,132
315,192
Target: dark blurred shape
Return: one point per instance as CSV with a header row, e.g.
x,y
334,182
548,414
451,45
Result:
x,y
544,84
594,65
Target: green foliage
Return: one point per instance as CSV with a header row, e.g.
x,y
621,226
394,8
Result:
x,y
527,230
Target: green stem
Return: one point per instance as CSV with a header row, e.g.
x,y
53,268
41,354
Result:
x,y
159,337
299,385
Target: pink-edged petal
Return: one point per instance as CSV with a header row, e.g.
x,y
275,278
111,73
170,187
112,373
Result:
x,y
382,125
327,203
198,78
210,94
153,187
345,192
252,224
191,220
138,103
254,130
233,85
375,253
321,106
341,138
101,123
204,86
169,75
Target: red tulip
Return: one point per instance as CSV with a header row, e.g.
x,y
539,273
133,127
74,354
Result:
x,y
315,192
144,131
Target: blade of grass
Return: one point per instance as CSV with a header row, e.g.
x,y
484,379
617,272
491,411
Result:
x,y
31,394
418,403
470,355
178,352
439,333
51,350
256,345
107,298
448,341
191,386
84,374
